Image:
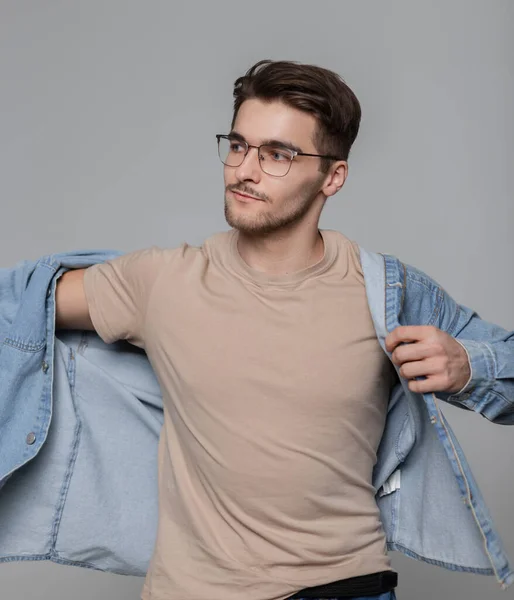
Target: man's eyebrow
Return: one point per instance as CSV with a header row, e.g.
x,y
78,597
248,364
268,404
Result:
x,y
270,142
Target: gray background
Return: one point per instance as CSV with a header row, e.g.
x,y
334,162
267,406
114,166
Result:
x,y
108,111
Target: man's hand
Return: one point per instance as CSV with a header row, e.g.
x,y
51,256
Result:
x,y
429,353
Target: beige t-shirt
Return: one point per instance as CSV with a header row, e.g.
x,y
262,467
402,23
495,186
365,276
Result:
x,y
275,394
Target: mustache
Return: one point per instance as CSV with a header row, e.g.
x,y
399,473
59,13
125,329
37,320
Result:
x,y
246,190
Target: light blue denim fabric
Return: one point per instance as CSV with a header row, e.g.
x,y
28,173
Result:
x,y
80,422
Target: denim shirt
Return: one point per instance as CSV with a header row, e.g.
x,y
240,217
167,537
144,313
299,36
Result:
x,y
80,423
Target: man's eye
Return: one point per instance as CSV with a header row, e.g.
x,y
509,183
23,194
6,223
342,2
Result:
x,y
278,154
236,147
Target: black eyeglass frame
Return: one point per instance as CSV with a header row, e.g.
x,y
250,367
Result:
x,y
294,153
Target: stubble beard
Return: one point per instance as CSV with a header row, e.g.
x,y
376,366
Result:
x,y
265,222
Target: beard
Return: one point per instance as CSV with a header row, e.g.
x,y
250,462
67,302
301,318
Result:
x,y
266,221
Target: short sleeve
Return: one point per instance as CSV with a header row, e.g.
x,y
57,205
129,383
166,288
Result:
x,y
118,292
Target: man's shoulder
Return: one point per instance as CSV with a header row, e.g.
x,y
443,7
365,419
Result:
x,y
186,249
163,255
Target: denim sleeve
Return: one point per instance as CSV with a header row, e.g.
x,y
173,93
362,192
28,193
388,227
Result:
x,y
490,349
13,282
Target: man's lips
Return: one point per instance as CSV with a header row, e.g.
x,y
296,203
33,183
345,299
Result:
x,y
246,197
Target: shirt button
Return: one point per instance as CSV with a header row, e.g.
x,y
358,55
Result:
x,y
49,292
31,438
44,366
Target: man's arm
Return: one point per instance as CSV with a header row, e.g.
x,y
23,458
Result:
x,y
454,346
111,298
72,310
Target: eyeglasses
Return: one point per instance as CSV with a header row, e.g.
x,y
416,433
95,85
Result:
x,y
274,159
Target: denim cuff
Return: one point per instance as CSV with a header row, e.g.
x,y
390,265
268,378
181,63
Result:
x,y
482,367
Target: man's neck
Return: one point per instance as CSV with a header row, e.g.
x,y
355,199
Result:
x,y
281,253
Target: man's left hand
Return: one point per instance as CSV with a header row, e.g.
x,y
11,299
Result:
x,y
431,353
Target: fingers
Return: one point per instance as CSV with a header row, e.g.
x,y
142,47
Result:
x,y
420,368
408,333
429,385
412,352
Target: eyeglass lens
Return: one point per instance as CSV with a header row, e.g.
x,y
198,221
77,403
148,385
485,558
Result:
x,y
274,160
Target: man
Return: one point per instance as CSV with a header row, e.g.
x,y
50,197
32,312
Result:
x,y
275,387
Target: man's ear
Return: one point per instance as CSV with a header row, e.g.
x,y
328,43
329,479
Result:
x,y
335,178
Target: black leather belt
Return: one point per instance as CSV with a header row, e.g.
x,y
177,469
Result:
x,y
364,585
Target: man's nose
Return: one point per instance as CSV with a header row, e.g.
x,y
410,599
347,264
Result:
x,y
250,169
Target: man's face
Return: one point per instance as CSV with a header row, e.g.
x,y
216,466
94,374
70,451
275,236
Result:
x,y
281,201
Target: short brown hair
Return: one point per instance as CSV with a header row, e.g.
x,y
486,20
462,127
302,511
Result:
x,y
311,89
